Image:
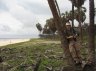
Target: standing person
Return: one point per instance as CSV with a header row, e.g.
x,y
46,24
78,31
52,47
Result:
x,y
74,46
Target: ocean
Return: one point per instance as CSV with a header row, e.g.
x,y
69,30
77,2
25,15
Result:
x,y
6,40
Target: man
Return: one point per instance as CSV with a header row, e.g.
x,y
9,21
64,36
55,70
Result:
x,y
74,46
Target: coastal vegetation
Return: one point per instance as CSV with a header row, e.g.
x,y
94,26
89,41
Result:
x,y
26,56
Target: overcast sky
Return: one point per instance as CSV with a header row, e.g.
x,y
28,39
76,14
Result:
x,y
19,17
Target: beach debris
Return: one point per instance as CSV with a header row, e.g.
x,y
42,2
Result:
x,y
49,68
49,51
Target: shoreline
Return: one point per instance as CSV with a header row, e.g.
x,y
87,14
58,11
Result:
x,y
4,42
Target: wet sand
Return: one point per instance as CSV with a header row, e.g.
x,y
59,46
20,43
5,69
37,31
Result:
x,y
4,42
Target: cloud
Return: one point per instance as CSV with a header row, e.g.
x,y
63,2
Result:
x,y
19,17
5,28
23,20
8,20
26,17
3,7
13,27
36,8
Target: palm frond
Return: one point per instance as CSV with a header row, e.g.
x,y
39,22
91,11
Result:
x,y
78,3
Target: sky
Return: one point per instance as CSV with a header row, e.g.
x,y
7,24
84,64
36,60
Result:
x,y
18,18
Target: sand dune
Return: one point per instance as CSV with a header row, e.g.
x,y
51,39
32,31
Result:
x,y
4,42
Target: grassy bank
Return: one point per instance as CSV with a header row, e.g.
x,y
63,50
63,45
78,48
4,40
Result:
x,y
27,56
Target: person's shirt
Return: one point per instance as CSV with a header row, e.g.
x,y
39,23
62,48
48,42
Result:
x,y
71,32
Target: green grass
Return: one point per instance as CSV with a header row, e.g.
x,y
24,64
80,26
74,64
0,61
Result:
x,y
24,56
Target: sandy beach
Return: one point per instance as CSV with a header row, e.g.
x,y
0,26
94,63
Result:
x,y
4,42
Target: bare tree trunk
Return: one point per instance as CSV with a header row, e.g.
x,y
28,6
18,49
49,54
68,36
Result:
x,y
80,26
91,41
64,42
72,15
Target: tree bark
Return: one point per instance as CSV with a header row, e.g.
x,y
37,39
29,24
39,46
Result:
x,y
80,25
64,42
91,41
72,15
